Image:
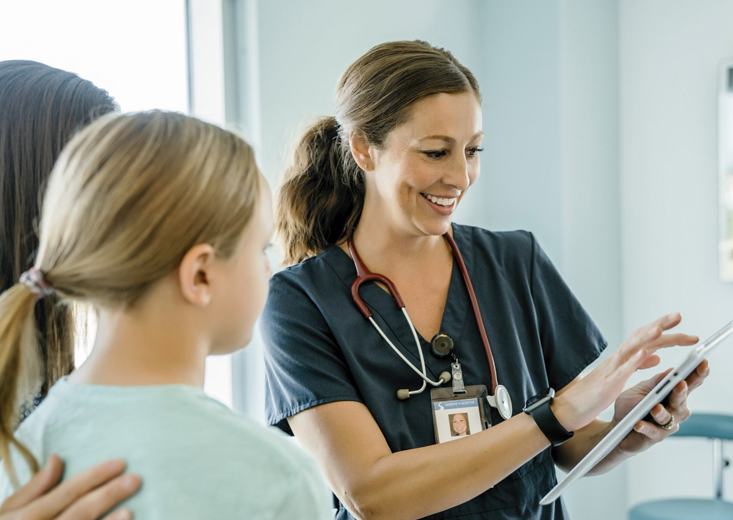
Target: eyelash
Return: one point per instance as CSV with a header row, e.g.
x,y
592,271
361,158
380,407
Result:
x,y
438,154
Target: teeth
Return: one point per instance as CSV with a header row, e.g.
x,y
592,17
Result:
x,y
439,200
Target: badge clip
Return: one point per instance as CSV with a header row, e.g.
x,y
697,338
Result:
x,y
457,378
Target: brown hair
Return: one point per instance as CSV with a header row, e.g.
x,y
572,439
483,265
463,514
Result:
x,y
41,108
127,198
321,196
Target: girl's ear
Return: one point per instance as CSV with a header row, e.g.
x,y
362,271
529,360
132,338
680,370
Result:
x,y
194,275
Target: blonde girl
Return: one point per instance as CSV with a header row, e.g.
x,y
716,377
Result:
x,y
161,222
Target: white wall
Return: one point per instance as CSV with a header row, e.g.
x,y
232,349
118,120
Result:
x,y
591,255
590,200
669,53
521,185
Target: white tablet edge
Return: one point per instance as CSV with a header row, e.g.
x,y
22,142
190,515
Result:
x,y
604,447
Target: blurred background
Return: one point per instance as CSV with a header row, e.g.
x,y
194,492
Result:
x,y
602,137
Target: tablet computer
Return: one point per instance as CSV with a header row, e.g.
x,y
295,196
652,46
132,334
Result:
x,y
680,372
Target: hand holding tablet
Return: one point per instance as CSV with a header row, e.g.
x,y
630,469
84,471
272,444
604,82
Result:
x,y
583,401
664,418
670,383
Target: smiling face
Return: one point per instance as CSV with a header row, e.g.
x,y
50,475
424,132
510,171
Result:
x,y
460,426
419,175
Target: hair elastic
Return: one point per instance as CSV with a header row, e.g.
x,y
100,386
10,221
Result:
x,y
34,280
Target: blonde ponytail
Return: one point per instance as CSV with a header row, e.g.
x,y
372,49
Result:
x,y
20,369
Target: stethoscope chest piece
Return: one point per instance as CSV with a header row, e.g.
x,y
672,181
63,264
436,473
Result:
x,y
502,401
442,346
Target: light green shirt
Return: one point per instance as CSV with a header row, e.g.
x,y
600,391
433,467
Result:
x,y
197,459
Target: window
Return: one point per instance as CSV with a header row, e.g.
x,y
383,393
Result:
x,y
136,50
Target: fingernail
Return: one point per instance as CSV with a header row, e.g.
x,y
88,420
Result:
x,y
49,463
123,514
672,317
637,428
131,482
115,465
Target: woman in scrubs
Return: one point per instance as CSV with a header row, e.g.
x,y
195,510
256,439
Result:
x,y
387,172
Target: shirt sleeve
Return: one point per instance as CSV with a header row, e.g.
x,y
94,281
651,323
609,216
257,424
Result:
x,y
304,365
569,337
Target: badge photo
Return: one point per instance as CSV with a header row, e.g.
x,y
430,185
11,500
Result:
x,y
458,416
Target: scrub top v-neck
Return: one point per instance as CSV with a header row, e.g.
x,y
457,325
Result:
x,y
319,349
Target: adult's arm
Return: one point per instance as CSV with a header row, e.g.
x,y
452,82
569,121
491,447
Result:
x,y
373,482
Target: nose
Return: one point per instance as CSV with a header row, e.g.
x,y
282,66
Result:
x,y
457,175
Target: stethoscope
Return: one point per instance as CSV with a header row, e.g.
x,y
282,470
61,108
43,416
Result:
x,y
442,345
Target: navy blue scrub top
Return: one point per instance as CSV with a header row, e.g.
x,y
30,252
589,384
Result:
x,y
319,349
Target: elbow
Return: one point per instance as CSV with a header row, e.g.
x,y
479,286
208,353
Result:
x,y
361,508
365,503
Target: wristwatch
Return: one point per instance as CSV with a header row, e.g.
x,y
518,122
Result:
x,y
539,408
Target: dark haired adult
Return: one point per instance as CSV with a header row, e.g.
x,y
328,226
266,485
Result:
x,y
349,372
41,108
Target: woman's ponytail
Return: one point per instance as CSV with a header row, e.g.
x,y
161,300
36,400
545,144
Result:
x,y
20,369
321,195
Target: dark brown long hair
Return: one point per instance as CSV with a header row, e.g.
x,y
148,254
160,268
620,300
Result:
x,y
321,196
41,108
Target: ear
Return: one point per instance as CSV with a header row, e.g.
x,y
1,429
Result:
x,y
361,151
194,275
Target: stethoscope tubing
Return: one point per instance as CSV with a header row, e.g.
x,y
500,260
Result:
x,y
476,310
423,373
363,275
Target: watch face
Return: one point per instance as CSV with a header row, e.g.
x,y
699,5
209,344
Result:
x,y
538,397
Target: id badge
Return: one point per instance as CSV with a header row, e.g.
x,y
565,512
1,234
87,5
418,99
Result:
x,y
459,415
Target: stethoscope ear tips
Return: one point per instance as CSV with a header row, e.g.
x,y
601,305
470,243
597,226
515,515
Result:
x,y
403,393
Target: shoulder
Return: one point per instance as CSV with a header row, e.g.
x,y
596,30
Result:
x,y
169,421
307,286
270,455
506,248
235,433
311,272
275,468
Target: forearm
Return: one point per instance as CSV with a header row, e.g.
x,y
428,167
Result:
x,y
419,482
571,452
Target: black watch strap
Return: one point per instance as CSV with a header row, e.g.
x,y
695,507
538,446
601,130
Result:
x,y
548,423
